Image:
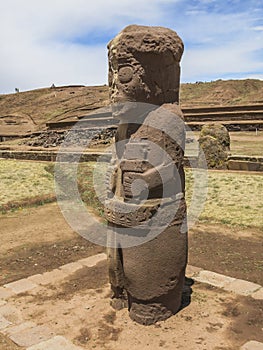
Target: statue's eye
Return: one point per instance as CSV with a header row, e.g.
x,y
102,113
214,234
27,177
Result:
x,y
125,74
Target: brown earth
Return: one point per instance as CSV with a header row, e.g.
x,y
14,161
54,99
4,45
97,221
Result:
x,y
29,111
79,309
35,240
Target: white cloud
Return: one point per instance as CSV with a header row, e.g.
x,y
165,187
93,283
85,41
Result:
x,y
258,28
37,39
220,45
40,46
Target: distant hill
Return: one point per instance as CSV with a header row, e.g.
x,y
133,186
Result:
x,y
222,93
23,112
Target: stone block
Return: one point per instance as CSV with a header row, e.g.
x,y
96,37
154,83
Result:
x,y
5,293
71,267
238,165
253,166
93,260
48,277
2,302
242,287
252,345
4,322
192,271
56,343
36,278
258,294
21,286
16,329
32,336
11,313
214,279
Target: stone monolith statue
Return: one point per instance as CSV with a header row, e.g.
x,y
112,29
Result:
x,y
147,177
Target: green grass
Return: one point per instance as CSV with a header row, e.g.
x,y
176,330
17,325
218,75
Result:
x,y
20,180
233,198
242,146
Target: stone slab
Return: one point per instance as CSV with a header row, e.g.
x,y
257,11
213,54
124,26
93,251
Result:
x,y
11,313
192,271
56,343
71,267
214,279
2,302
36,278
252,345
4,323
32,336
258,294
48,277
93,260
16,329
5,293
21,286
242,287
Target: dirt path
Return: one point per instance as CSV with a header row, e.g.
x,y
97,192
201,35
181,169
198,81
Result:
x,y
78,308
39,239
232,251
36,240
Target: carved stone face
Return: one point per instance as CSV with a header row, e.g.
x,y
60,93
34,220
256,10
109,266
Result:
x,y
144,65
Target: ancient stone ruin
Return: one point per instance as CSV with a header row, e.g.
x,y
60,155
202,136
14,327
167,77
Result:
x,y
214,141
147,171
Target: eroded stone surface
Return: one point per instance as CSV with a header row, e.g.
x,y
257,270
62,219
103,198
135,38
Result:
x,y
56,343
48,277
242,287
71,267
144,65
214,279
252,345
5,293
4,322
32,336
93,260
214,147
258,294
21,286
21,327
11,313
144,73
192,271
2,302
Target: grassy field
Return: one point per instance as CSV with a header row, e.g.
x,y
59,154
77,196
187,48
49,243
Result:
x,y
21,181
247,143
233,198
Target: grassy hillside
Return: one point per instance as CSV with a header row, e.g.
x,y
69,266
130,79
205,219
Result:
x,y
30,110
222,92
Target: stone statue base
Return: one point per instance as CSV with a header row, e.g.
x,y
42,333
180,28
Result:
x,y
158,309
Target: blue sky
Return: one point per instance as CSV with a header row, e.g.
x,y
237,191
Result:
x,y
64,41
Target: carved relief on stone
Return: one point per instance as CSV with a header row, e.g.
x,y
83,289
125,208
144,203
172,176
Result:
x,y
147,177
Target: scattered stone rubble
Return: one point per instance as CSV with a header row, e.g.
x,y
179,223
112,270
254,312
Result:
x,y
80,137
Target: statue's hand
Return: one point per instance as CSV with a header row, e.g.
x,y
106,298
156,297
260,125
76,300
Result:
x,y
134,185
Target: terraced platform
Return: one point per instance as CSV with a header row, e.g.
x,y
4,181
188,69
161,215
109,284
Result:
x,y
235,118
